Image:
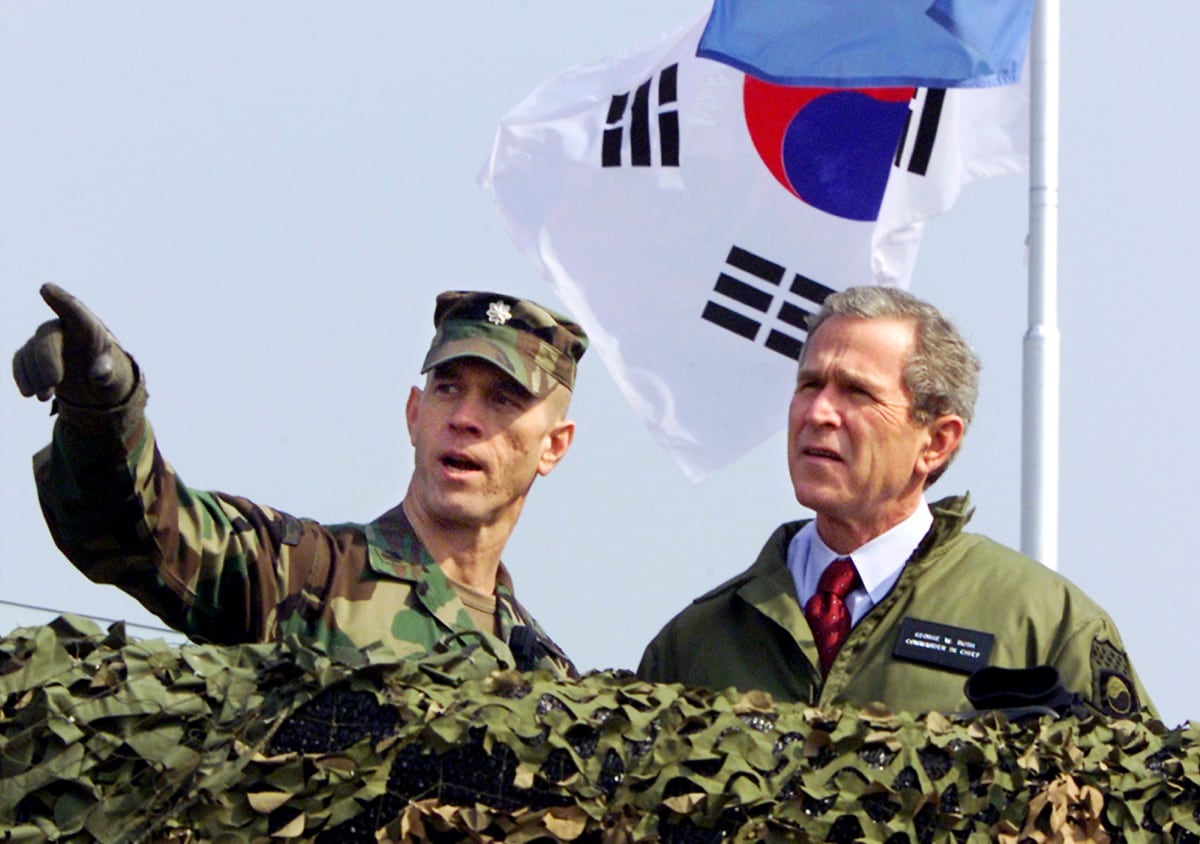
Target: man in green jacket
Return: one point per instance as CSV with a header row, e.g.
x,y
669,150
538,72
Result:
x,y
490,419
883,597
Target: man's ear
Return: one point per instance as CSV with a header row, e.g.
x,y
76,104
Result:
x,y
558,440
410,413
945,435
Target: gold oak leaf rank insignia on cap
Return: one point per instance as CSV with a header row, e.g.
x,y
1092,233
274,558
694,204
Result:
x,y
538,347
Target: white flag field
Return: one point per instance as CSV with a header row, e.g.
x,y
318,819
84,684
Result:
x,y
691,217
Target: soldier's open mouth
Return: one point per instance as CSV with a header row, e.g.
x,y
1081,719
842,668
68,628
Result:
x,y
461,464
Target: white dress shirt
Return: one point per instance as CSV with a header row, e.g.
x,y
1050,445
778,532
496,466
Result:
x,y
879,561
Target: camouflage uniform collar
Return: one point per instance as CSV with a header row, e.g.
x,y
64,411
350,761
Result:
x,y
503,579
409,559
395,551
393,534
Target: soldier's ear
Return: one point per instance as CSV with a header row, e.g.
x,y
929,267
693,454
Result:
x,y
558,440
410,413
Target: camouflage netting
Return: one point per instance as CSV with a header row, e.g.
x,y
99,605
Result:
x,y
104,738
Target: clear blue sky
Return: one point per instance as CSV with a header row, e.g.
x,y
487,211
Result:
x,y
262,200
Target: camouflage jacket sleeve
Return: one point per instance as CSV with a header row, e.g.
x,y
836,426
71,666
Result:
x,y
211,565
224,569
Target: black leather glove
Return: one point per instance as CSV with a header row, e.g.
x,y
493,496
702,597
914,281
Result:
x,y
74,357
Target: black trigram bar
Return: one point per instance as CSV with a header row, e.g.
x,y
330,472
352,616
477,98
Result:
x,y
794,316
668,121
927,129
931,118
668,85
639,127
610,146
640,141
790,314
813,291
786,345
756,265
739,291
743,326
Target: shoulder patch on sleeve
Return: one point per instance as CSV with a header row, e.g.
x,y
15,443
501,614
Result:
x,y
1113,690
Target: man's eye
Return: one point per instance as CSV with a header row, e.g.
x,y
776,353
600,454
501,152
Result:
x,y
499,398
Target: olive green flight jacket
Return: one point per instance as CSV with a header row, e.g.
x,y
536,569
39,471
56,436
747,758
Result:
x,y
225,570
750,632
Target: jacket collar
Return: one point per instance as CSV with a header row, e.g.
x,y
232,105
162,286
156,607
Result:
x,y
394,547
395,551
769,585
950,515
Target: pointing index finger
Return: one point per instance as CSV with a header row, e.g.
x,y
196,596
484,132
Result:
x,y
80,325
62,303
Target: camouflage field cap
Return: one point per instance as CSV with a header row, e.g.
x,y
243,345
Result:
x,y
536,346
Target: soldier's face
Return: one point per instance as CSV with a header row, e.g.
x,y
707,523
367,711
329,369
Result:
x,y
480,439
855,455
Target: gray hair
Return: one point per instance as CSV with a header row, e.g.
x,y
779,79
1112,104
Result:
x,y
942,373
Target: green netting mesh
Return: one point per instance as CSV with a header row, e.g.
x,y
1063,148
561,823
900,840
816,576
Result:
x,y
105,738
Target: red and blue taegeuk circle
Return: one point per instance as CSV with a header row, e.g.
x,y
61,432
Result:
x,y
830,147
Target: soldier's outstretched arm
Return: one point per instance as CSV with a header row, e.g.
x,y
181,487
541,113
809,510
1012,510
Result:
x,y
208,564
74,357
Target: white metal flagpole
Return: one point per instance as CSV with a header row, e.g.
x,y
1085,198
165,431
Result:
x,y
1040,415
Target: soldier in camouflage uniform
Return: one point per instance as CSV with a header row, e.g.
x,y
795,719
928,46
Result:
x,y
425,574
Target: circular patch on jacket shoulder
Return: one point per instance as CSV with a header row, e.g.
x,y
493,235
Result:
x,y
1113,691
1117,697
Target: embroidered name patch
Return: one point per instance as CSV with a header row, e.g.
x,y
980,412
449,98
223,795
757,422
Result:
x,y
955,648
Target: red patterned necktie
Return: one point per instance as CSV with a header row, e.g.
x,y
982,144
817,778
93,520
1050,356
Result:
x,y
826,610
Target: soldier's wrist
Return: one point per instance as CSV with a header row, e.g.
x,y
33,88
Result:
x,y
106,392
118,416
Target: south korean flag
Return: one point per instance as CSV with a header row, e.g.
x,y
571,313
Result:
x,y
691,218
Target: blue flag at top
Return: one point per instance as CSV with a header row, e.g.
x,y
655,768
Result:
x,y
871,43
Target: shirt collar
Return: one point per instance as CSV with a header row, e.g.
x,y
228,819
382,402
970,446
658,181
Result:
x,y
394,534
878,561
